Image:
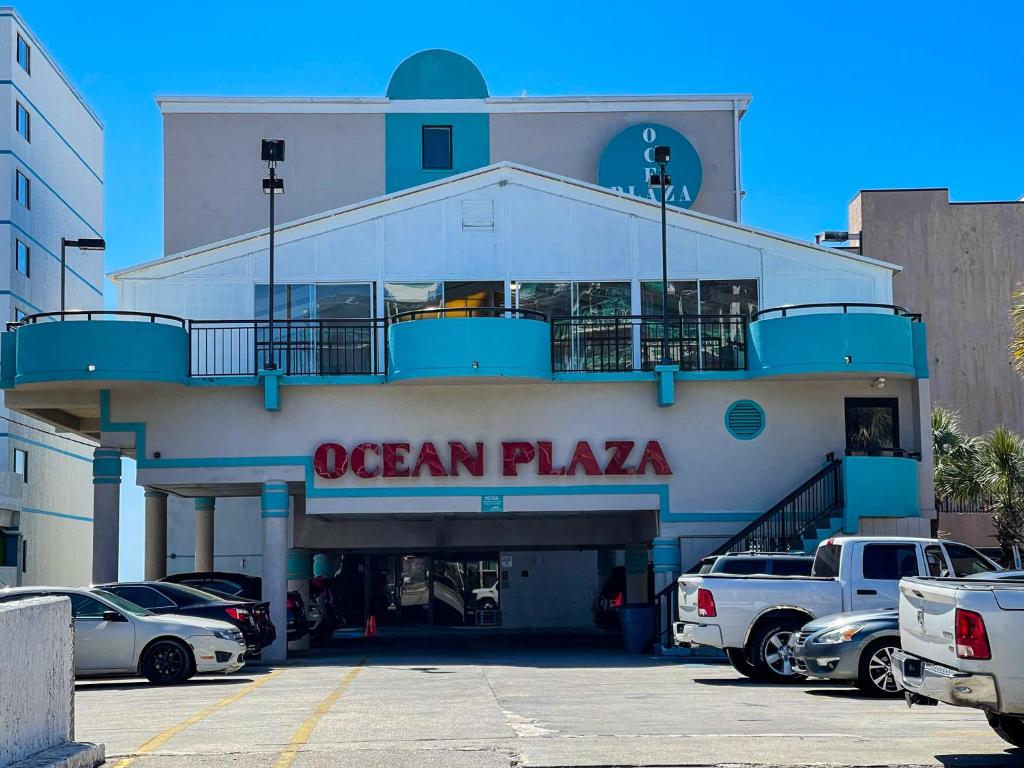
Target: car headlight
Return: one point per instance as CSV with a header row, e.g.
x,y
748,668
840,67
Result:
x,y
228,634
840,635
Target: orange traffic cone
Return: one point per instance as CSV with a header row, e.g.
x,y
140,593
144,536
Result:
x,y
371,627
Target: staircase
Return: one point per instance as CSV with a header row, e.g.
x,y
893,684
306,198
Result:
x,y
806,516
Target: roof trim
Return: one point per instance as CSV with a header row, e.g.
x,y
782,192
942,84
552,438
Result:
x,y
493,169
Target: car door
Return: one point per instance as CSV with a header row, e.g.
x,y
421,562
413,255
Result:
x,y
878,569
100,645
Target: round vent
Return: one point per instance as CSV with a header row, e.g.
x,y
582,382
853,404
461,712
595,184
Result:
x,y
744,419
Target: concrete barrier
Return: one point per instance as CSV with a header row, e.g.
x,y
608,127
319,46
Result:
x,y
37,682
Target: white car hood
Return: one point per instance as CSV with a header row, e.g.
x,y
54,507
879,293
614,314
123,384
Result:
x,y
194,622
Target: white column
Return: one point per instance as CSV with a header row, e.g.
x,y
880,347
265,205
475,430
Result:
x,y
274,512
922,401
106,514
156,534
204,533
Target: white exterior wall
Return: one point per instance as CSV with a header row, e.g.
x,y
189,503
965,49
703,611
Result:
x,y
64,163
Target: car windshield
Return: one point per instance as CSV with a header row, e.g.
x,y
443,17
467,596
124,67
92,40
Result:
x,y
186,596
125,605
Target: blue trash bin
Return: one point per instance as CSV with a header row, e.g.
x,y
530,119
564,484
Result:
x,y
637,622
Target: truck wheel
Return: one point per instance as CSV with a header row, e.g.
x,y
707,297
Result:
x,y
874,673
740,662
771,652
1009,728
167,662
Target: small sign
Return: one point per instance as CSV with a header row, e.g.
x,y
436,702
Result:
x,y
492,503
506,561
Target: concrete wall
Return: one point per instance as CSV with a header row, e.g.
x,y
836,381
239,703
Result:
x,y
237,535
37,691
550,589
961,262
975,528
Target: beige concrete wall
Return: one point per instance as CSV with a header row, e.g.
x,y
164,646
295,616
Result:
x,y
961,262
974,528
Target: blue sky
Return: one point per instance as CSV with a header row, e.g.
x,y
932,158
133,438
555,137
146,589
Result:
x,y
850,96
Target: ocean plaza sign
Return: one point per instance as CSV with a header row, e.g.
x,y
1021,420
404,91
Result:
x,y
627,164
455,458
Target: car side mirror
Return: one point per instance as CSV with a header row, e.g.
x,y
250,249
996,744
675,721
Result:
x,y
113,616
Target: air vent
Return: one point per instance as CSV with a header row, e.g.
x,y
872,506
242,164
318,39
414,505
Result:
x,y
744,419
478,214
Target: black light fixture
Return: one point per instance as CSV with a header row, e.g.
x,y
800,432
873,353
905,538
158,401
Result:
x,y
662,155
272,153
82,244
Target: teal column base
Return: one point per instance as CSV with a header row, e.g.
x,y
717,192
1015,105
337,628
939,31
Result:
x,y
666,384
667,557
271,389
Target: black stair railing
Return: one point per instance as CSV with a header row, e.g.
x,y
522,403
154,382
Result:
x,y
782,528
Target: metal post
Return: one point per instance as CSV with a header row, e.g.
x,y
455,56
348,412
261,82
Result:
x,y
665,359
63,271
271,364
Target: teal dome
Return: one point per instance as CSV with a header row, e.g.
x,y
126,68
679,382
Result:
x,y
437,74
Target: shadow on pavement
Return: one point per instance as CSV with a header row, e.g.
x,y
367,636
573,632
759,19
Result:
x,y
851,693
1013,757
129,685
746,682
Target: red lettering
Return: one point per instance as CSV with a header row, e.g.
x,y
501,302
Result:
x,y
394,455
513,454
330,461
474,463
583,456
654,456
620,454
428,458
544,460
359,460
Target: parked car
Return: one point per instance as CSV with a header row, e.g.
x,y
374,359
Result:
x,y
855,647
114,636
754,618
160,597
766,563
241,585
487,597
613,596
961,645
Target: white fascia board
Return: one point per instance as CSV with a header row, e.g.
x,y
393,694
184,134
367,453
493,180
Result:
x,y
492,105
310,226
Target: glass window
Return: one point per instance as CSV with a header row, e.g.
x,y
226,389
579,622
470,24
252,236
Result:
x,y
553,299
744,566
890,562
21,463
792,566
22,122
935,561
682,298
437,147
602,299
23,257
872,424
147,597
728,297
966,561
344,301
83,607
19,314
23,189
826,561
406,297
24,55
188,596
125,605
490,293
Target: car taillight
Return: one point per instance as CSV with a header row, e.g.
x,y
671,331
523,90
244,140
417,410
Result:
x,y
238,614
971,637
706,603
290,603
616,602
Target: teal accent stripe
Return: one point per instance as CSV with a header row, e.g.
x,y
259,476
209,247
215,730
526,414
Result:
x,y
38,112
55,256
63,515
19,438
23,300
53,191
106,481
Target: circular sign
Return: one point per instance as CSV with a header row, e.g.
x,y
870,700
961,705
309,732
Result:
x,y
628,162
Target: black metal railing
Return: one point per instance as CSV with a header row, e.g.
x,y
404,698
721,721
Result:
x,y
843,306
666,611
979,506
99,314
782,528
634,342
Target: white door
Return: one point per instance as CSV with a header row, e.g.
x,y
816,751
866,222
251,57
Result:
x,y
101,645
878,569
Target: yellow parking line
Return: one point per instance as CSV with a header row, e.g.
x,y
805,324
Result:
x,y
174,730
306,729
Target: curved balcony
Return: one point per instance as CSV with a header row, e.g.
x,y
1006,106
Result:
x,y
838,338
99,346
471,342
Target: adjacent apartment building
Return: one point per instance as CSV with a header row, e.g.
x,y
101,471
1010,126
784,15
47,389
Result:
x,y
51,157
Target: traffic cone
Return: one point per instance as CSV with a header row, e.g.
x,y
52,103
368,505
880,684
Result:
x,y
371,627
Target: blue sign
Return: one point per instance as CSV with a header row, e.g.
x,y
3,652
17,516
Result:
x,y
628,162
492,503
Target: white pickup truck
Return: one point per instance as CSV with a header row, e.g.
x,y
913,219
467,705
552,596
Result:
x,y
961,643
754,618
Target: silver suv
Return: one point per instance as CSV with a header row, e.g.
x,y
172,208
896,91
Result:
x,y
761,563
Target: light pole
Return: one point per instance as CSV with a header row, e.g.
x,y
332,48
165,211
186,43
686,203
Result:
x,y
663,155
272,152
82,244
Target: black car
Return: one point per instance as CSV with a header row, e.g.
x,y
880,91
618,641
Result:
x,y
250,616
245,587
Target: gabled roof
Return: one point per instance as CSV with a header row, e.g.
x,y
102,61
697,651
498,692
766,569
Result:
x,y
543,180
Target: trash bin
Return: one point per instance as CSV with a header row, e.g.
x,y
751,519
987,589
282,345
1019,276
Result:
x,y
637,622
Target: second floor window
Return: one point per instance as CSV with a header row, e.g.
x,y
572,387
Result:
x,y
23,189
19,314
23,257
437,147
21,463
24,55
23,122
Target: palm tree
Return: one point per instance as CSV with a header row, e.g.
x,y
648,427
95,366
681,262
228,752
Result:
x,y
1017,317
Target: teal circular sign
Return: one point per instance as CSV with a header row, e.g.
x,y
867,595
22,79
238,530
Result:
x,y
628,162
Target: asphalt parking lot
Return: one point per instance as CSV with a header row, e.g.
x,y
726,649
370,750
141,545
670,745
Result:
x,y
479,703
